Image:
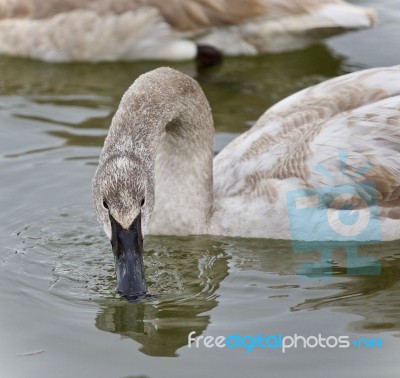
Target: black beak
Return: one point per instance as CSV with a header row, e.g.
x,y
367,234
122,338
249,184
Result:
x,y
127,246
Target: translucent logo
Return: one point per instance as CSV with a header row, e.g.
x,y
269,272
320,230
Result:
x,y
281,342
342,216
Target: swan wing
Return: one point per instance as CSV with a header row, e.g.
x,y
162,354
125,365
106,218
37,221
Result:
x,y
182,14
192,15
288,25
174,27
133,35
38,8
344,130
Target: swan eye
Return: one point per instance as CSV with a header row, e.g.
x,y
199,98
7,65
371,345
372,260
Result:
x,y
142,203
105,205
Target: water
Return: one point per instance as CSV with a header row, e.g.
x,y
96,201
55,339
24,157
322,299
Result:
x,y
59,314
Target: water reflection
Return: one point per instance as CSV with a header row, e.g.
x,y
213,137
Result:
x,y
376,298
185,276
193,268
77,101
162,326
28,77
373,297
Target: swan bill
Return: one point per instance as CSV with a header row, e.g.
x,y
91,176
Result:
x,y
127,247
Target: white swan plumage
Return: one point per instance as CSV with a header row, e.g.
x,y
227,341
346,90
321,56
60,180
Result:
x,y
105,30
339,140
164,129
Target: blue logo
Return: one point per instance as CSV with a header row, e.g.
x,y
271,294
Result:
x,y
340,216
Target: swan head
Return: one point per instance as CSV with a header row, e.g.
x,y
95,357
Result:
x,y
162,132
123,199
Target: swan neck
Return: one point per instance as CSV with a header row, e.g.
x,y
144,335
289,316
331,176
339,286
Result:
x,y
172,134
183,171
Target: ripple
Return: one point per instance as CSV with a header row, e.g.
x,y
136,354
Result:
x,y
70,252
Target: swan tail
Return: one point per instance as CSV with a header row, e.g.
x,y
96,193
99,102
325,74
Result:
x,y
346,16
295,31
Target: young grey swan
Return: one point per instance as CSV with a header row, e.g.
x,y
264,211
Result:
x,y
103,30
157,173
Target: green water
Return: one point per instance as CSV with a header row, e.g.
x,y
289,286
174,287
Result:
x,y
59,314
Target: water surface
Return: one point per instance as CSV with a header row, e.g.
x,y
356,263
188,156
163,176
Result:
x,y
60,315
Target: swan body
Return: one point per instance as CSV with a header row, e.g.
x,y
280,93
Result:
x,y
105,30
160,147
338,140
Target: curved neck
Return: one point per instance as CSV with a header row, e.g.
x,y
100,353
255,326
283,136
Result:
x,y
168,127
